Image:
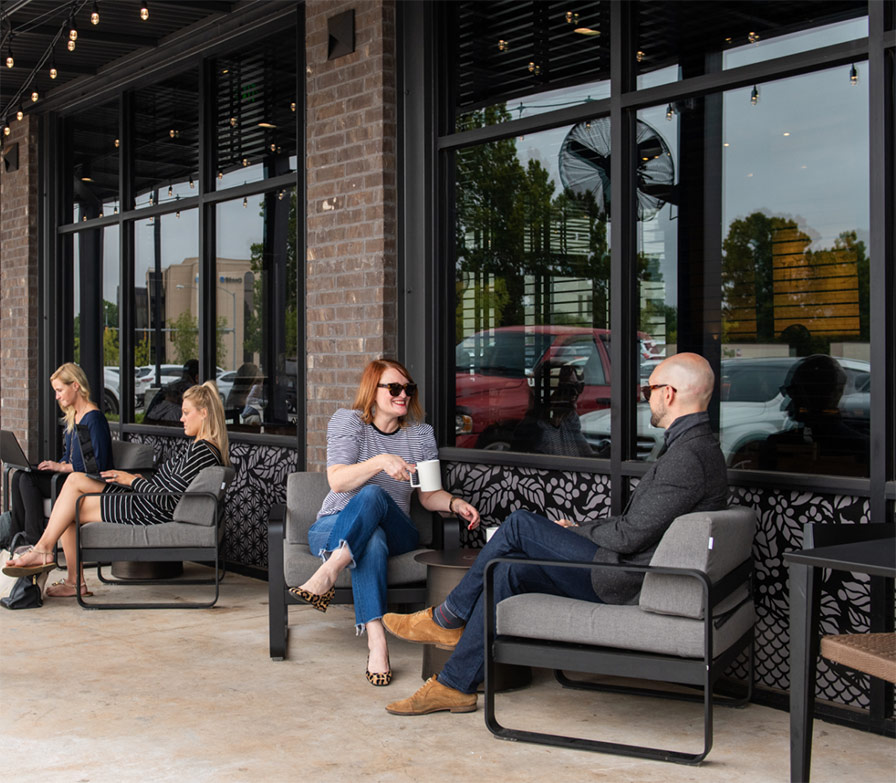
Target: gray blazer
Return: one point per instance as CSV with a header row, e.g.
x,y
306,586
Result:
x,y
690,476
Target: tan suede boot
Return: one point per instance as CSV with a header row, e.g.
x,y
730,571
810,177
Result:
x,y
420,627
434,697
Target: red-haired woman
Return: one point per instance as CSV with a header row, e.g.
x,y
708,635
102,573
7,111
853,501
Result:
x,y
372,449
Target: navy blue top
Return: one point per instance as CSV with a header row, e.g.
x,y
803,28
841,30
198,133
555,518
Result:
x,y
100,437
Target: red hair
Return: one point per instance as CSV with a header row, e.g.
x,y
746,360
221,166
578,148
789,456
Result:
x,y
365,399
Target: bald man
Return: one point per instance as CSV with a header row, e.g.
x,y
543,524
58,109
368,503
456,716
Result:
x,y
689,475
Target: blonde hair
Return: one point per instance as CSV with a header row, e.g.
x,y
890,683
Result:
x,y
365,399
206,397
68,374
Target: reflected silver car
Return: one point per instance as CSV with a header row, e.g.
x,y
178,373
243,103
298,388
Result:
x,y
752,406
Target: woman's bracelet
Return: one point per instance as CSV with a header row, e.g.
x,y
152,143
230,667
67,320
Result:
x,y
451,504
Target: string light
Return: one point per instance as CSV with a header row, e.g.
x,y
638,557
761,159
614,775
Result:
x,y
95,14
70,45
35,95
53,72
10,60
853,75
245,202
192,183
754,95
20,115
670,112
639,56
571,18
72,28
503,46
753,37
170,190
6,128
144,10
117,143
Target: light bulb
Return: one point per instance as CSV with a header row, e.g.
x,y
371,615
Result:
x,y
95,14
177,214
53,72
754,95
245,201
170,191
117,143
144,11
669,112
6,129
10,60
20,115
220,175
73,30
245,162
34,96
192,183
71,46
853,75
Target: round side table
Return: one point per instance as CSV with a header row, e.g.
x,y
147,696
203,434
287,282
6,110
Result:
x,y
444,570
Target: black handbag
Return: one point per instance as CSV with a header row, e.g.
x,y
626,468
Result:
x,y
27,591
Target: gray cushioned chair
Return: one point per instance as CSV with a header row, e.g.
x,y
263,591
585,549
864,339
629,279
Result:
x,y
291,562
703,560
195,533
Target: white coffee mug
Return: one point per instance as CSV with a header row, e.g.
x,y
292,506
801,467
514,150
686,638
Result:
x,y
428,476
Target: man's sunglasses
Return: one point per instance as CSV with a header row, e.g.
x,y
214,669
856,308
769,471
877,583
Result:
x,y
396,388
646,390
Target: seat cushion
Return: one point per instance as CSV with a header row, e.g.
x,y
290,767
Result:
x,y
713,542
559,619
299,564
173,534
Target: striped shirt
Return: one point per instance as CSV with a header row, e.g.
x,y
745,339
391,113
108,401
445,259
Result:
x,y
119,504
350,441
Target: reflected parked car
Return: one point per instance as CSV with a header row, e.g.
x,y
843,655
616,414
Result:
x,y
111,386
751,408
494,370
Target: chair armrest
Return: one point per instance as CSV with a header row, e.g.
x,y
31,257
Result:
x,y
713,593
445,530
55,484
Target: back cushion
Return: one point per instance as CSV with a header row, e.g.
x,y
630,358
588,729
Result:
x,y
201,510
714,542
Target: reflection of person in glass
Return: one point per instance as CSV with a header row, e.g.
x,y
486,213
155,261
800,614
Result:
x,y
166,405
819,441
247,377
551,425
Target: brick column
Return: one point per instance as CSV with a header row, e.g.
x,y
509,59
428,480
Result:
x,y
19,294
351,302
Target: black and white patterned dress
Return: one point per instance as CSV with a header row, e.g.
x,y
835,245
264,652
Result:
x,y
119,504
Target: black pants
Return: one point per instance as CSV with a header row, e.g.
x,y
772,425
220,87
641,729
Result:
x,y
27,494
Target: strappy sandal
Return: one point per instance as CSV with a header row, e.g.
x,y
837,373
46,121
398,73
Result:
x,y
12,569
65,589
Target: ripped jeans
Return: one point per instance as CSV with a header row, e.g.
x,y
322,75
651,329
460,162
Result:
x,y
374,528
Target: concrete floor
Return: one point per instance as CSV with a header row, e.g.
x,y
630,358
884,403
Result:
x,y
193,696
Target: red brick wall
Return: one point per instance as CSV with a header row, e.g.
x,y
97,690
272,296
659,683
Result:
x,y
19,383
351,301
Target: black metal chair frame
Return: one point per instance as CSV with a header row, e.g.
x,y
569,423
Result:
x,y
699,672
101,555
280,599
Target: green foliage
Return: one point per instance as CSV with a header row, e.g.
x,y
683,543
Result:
x,y
184,337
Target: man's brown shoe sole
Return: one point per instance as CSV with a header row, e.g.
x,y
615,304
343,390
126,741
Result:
x,y
471,708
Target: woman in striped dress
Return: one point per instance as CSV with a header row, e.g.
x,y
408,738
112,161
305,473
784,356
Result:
x,y
372,449
203,420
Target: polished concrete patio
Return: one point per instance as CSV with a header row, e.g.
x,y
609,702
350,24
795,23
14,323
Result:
x,y
193,696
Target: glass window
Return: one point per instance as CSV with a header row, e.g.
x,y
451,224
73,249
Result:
x,y
94,163
166,139
680,40
255,112
532,283
516,59
257,314
166,323
795,331
95,326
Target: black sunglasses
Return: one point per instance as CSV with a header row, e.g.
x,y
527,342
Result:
x,y
396,388
646,390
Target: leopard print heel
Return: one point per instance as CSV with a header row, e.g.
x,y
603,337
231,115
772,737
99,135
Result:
x,y
379,679
319,602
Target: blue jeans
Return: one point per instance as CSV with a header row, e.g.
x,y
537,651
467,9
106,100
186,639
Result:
x,y
523,534
374,529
